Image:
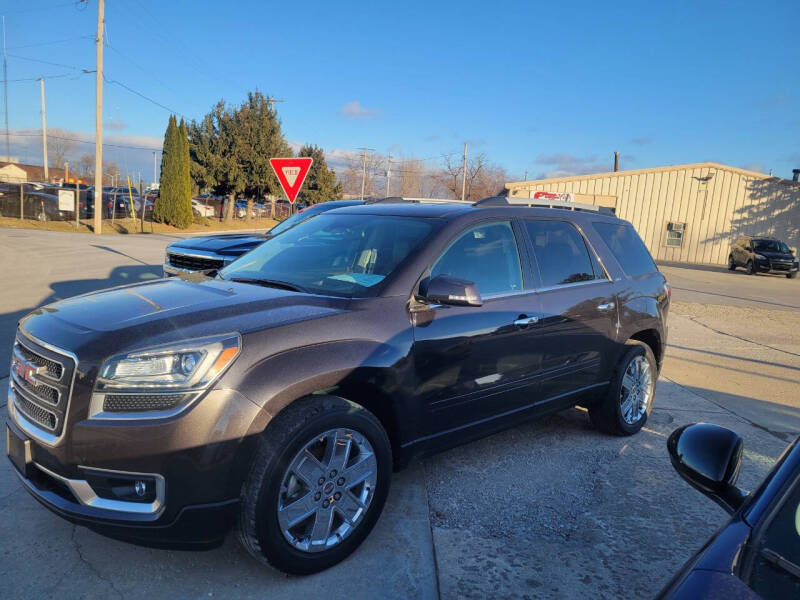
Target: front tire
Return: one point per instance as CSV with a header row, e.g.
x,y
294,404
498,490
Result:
x,y
791,275
751,267
731,263
629,398
317,485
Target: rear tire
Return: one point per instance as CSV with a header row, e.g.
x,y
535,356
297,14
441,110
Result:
x,y
731,263
791,275
751,267
289,482
624,410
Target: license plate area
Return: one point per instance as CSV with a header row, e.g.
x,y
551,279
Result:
x,y
18,451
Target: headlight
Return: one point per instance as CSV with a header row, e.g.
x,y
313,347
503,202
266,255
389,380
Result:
x,y
187,366
760,257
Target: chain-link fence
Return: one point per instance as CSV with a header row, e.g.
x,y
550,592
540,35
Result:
x,y
52,202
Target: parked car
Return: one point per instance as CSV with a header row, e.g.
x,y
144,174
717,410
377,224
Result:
x,y
763,255
200,209
282,393
756,554
212,252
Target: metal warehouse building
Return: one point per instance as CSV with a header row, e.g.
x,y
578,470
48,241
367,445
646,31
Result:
x,y
688,213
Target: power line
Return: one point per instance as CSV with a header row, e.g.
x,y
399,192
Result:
x,y
69,139
44,62
53,76
41,8
141,95
36,45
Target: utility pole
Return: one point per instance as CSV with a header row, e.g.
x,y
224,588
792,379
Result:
x,y
98,122
363,170
464,176
154,167
388,174
5,90
272,102
44,133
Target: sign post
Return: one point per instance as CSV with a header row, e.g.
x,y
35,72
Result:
x,y
291,173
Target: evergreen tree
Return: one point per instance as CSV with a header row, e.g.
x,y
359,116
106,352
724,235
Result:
x,y
320,184
174,202
231,147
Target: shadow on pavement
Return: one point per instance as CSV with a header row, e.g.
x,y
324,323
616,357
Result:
x,y
67,289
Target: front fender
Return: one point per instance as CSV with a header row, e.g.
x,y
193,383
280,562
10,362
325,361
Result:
x,y
373,374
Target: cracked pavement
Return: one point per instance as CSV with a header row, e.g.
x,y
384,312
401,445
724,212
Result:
x,y
548,509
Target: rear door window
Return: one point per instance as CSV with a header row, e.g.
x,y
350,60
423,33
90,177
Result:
x,y
561,253
487,255
627,247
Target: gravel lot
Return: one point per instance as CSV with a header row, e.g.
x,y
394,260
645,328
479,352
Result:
x,y
550,509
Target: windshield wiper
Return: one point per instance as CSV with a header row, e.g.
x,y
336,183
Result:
x,y
270,283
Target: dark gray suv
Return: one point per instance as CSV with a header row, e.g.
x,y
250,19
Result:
x,y
279,393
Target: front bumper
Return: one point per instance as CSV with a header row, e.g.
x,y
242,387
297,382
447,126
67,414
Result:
x,y
777,267
198,457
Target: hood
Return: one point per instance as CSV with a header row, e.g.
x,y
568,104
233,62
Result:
x,y
234,244
168,310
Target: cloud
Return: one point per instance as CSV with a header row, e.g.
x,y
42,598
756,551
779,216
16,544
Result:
x,y
642,141
115,125
564,165
354,110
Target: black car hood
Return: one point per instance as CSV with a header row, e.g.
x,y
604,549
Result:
x,y
234,244
167,310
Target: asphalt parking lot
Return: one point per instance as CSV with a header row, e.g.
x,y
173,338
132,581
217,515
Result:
x,y
550,509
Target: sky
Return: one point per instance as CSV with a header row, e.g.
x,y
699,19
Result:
x,y
541,88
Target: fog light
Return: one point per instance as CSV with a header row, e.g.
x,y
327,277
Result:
x,y
118,486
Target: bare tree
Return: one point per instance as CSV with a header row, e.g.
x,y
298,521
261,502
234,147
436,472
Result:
x,y
373,180
86,165
452,172
59,147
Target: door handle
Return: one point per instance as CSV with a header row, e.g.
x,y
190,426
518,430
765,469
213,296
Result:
x,y
605,306
524,321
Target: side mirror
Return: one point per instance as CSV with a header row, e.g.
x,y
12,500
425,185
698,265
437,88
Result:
x,y
709,457
453,291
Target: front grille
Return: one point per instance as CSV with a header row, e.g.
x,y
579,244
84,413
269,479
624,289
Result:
x,y
141,402
35,413
54,369
41,390
781,266
194,263
42,398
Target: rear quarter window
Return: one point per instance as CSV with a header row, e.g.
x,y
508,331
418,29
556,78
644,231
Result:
x,y
627,247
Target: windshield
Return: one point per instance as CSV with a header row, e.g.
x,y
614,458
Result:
x,y
299,217
770,246
341,255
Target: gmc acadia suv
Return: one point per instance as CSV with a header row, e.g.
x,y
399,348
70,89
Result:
x,y
280,393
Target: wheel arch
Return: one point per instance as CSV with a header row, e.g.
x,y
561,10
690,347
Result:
x,y
652,338
364,372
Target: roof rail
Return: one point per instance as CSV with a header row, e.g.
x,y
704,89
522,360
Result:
x,y
542,203
398,199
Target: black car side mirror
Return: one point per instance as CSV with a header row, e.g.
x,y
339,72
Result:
x,y
709,457
444,289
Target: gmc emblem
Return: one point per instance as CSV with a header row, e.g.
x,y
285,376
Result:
x,y
25,370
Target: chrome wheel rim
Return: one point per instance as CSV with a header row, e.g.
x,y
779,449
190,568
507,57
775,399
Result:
x,y
637,390
327,490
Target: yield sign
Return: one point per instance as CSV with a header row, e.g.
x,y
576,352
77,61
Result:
x,y
291,174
